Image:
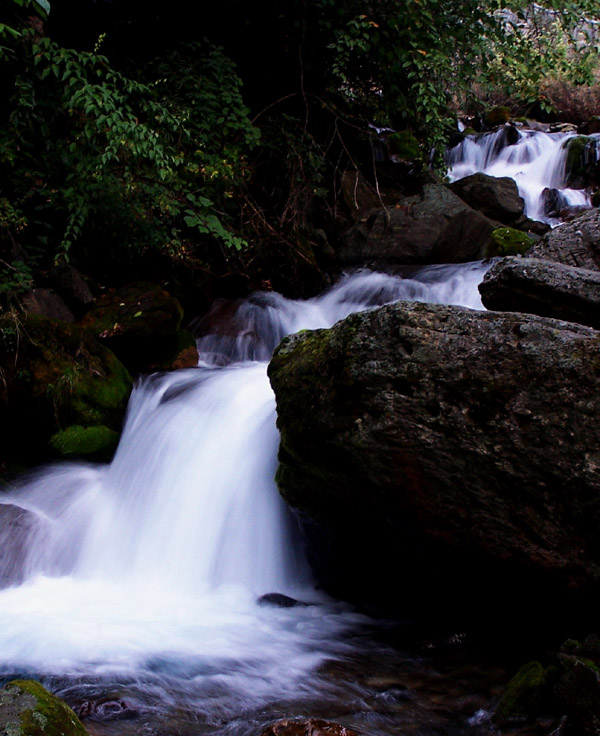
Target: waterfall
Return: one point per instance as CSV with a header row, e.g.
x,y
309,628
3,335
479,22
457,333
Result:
x,y
151,566
534,159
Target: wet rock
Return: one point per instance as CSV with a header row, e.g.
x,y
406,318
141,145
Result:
x,y
438,428
525,697
553,201
582,166
279,600
542,287
47,303
435,226
28,709
495,197
576,243
16,526
309,727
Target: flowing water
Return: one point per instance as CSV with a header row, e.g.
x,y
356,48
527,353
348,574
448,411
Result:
x,y
536,161
133,586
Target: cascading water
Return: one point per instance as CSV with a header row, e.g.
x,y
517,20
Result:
x,y
141,577
534,159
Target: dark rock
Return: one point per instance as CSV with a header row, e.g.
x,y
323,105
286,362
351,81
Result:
x,y
593,125
47,303
534,228
309,727
140,323
525,697
553,201
28,709
55,375
72,285
578,692
16,527
279,600
576,243
439,427
496,116
545,288
496,197
582,166
433,227
360,197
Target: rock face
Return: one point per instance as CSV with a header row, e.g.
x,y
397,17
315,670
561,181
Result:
x,y
16,526
435,427
28,709
576,243
433,227
545,288
495,197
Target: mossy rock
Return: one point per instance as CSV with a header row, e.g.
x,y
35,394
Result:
x,y
28,709
174,352
92,443
582,167
524,697
141,324
138,310
496,116
56,375
506,241
404,145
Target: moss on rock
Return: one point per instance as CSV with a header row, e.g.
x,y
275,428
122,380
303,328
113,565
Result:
x,y
496,116
93,443
525,695
28,709
404,145
506,241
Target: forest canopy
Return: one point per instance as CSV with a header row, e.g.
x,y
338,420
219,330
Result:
x,y
134,136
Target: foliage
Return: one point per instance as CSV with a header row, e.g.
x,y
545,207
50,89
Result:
x,y
145,162
401,62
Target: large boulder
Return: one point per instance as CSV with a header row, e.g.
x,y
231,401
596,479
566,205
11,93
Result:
x,y
576,243
472,434
435,226
545,288
28,709
495,197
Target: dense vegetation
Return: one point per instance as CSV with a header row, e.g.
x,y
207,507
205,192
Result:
x,y
134,140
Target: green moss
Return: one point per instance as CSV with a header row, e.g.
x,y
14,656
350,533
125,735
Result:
x,y
496,116
506,241
525,695
581,166
404,145
28,709
95,443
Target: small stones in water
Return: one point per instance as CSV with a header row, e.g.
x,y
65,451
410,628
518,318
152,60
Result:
x,y
280,600
309,727
106,710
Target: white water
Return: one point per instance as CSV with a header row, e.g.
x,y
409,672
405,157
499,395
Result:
x,y
153,564
536,162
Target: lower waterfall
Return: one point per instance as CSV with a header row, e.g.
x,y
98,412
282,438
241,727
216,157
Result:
x,y
136,583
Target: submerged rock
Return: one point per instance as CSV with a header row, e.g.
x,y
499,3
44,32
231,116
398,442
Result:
x,y
28,709
576,243
545,288
308,727
16,527
470,438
